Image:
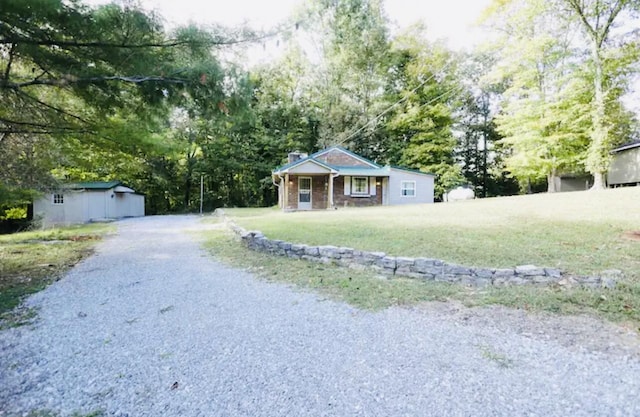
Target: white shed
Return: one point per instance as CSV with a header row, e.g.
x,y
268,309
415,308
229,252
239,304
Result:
x,y
87,202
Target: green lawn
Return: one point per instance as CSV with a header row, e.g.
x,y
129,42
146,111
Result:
x,y
364,289
579,232
29,261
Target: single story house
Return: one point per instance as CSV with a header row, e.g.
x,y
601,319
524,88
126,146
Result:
x,y
336,177
85,202
625,165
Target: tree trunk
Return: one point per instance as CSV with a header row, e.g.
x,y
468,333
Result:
x,y
599,182
551,182
187,192
485,133
598,158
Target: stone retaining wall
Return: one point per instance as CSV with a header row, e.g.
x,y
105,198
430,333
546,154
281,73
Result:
x,y
420,268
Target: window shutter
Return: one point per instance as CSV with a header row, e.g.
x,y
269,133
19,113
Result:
x,y
372,185
347,185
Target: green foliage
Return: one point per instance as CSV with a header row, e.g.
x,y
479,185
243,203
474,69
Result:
x,y
580,232
29,261
420,126
544,111
358,288
81,83
347,84
14,213
364,290
101,93
562,111
479,151
596,20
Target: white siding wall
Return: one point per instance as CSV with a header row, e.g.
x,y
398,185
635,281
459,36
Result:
x,y
86,206
137,205
128,205
625,167
424,187
73,209
309,168
98,205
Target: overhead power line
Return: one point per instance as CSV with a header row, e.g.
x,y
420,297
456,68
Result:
x,y
403,99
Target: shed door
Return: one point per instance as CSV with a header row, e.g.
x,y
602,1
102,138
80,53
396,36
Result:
x,y
304,193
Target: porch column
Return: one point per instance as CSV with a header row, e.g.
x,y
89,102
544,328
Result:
x,y
285,203
330,199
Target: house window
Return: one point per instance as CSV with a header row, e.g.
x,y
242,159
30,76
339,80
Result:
x,y
408,188
360,185
58,198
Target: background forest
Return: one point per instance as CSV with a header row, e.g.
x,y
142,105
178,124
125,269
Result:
x,y
100,93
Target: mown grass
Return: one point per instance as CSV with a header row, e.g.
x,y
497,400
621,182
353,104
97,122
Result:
x,y
580,233
29,261
364,289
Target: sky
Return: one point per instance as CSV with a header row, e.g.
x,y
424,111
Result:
x,y
450,19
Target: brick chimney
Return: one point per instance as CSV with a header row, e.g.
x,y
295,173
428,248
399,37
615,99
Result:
x,y
296,156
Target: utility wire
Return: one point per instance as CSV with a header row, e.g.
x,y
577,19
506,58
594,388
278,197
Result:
x,y
406,97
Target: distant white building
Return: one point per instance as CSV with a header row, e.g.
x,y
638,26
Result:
x,y
86,202
459,194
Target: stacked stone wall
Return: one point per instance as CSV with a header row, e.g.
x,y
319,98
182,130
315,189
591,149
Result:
x,y
427,269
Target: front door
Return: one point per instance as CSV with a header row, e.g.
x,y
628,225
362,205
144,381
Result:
x,y
304,193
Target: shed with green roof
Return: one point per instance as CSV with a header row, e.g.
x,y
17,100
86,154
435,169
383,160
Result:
x,y
85,202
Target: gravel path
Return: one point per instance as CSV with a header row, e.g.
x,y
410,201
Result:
x,y
151,326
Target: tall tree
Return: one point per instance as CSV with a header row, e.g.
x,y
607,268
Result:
x,y
540,116
481,159
424,91
353,43
597,19
73,72
284,106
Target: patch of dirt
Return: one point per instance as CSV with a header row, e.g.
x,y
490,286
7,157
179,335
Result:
x,y
579,332
48,242
82,238
632,235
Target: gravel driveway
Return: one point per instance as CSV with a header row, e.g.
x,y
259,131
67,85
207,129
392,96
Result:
x,y
151,326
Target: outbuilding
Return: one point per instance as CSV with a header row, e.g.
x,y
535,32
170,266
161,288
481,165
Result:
x,y
86,202
625,165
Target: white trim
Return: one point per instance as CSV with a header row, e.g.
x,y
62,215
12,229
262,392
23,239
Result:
x,y
627,147
57,199
353,155
403,189
309,167
122,189
309,205
305,161
347,185
411,171
385,191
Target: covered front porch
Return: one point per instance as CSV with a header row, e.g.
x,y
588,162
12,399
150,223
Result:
x,y
321,192
335,179
306,192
